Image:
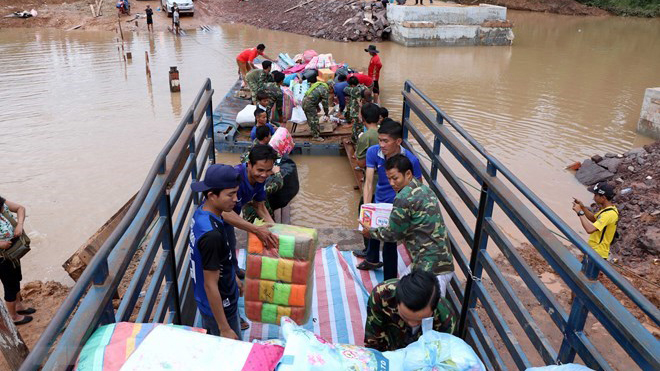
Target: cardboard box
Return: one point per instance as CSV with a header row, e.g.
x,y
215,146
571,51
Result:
x,y
375,215
326,74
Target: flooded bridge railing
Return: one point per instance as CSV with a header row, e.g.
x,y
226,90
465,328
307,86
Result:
x,y
476,302
156,227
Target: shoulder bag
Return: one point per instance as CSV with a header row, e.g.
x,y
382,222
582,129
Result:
x,y
20,245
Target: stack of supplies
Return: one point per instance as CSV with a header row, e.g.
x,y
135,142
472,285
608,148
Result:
x,y
279,282
326,74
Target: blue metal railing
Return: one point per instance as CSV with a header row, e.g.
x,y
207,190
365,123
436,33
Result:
x,y
591,296
157,217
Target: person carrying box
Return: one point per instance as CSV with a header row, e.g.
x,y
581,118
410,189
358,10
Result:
x,y
389,144
416,219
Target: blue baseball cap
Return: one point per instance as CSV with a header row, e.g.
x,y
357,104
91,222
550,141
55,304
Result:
x,y
218,176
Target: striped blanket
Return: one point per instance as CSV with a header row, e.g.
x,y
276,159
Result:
x,y
111,345
339,303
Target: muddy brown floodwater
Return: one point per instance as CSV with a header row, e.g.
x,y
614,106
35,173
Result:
x,y
79,128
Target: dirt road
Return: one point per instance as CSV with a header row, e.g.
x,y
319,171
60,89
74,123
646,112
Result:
x,y
65,15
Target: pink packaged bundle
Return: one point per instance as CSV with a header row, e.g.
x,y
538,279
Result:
x,y
288,101
282,141
308,55
325,61
313,64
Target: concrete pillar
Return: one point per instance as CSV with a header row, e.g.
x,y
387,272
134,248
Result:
x,y
649,119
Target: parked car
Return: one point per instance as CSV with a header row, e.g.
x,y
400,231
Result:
x,y
185,6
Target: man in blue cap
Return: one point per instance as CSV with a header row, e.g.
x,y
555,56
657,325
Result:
x,y
211,261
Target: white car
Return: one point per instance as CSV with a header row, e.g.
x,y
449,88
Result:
x,y
185,6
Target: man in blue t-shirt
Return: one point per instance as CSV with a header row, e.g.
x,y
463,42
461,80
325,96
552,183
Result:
x,y
339,91
251,189
253,132
212,269
390,137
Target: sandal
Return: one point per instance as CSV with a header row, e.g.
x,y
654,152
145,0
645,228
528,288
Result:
x,y
26,311
244,325
318,139
369,266
360,253
26,319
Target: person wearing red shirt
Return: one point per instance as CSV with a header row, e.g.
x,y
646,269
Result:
x,y
246,58
374,69
363,79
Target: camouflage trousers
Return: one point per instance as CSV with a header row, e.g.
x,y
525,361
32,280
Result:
x,y
358,128
311,112
254,88
352,113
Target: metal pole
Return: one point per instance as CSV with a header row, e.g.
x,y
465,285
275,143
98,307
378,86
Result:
x,y
210,134
193,170
480,243
168,247
579,313
406,111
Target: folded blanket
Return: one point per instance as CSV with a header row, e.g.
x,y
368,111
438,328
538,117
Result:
x,y
279,281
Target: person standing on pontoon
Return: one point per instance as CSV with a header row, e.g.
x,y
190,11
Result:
x,y
245,60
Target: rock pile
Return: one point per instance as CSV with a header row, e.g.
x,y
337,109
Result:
x,y
339,20
369,23
636,175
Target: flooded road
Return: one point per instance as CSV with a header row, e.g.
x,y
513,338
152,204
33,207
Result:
x,y
79,127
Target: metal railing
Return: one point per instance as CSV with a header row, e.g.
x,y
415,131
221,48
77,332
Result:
x,y
591,296
157,218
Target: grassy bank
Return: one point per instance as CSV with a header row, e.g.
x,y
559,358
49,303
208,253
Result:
x,y
635,8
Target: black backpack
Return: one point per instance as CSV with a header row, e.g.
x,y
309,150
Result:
x,y
616,233
291,186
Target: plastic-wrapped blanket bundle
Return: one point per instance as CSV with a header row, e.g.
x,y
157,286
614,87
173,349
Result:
x,y
434,351
305,351
279,282
299,89
282,141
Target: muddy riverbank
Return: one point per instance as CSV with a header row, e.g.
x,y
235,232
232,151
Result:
x,y
321,19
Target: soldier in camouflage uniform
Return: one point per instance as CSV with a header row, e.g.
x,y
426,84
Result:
x,y
331,93
274,91
416,220
353,93
256,79
396,308
317,93
262,137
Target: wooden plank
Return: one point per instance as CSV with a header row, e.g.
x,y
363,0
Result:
x,y
12,345
349,147
77,263
303,131
298,6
